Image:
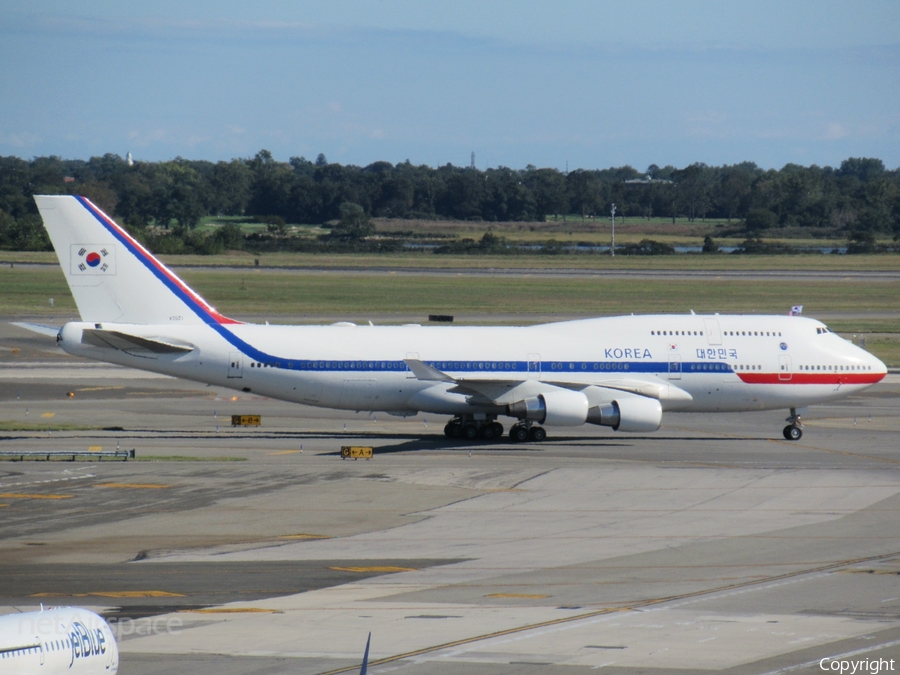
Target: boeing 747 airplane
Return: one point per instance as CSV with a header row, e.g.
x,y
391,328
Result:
x,y
61,640
619,372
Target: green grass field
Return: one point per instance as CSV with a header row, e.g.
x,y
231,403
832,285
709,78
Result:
x,y
596,231
6,425
26,290
270,293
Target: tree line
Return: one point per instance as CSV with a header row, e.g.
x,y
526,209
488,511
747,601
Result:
x,y
860,198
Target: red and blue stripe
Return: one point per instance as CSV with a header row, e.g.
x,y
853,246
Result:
x,y
194,302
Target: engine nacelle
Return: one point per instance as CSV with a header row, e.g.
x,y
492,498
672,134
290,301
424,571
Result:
x,y
560,408
638,414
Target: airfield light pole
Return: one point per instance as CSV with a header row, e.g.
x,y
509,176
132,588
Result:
x,y
612,248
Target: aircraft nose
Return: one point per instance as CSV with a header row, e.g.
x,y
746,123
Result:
x,y
875,365
868,361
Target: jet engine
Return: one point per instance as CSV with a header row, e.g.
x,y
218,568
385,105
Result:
x,y
564,408
559,408
635,413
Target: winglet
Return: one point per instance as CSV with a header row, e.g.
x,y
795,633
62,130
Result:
x,y
365,663
423,371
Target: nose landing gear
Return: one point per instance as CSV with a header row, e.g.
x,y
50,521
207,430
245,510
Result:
x,y
794,430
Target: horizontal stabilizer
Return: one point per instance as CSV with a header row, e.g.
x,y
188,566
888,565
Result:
x,y
49,331
113,339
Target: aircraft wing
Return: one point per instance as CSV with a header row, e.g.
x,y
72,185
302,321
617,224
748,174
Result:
x,y
662,391
426,373
495,389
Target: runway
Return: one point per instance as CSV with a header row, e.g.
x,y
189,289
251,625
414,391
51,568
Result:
x,y
713,545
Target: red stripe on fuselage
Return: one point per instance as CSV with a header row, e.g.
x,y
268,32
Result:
x,y
219,318
811,378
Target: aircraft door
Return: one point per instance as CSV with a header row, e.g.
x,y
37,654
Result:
x,y
534,366
784,367
713,332
674,366
235,365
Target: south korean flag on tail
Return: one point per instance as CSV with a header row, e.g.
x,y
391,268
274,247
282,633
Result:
x,y
93,259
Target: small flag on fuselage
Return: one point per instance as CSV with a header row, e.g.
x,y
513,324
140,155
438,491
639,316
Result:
x,y
796,310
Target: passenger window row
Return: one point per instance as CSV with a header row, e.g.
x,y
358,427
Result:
x,y
675,332
730,333
52,646
752,333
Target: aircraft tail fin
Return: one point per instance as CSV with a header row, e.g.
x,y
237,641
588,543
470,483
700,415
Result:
x,y
111,275
365,661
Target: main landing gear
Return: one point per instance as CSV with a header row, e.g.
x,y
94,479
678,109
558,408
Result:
x,y
466,426
794,430
489,429
527,431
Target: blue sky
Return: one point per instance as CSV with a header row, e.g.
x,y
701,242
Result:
x,y
590,84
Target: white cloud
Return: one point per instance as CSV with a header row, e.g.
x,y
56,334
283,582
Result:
x,y
835,131
22,140
146,138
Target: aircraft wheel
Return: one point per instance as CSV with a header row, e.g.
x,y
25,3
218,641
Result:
x,y
518,433
487,432
793,433
498,430
537,434
470,431
449,430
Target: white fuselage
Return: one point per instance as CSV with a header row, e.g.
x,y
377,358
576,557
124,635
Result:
x,y
67,640
722,362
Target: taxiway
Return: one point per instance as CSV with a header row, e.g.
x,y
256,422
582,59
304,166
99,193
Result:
x,y
712,545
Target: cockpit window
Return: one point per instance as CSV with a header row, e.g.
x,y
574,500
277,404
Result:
x,y
821,330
